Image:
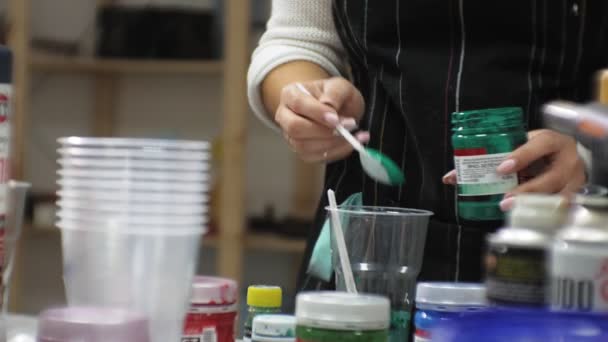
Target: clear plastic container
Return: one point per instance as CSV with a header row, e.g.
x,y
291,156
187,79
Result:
x,y
91,324
146,270
342,317
439,302
386,247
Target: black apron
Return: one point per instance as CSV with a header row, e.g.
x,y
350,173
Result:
x,y
417,61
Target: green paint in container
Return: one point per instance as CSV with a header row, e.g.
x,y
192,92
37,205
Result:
x,y
342,317
482,140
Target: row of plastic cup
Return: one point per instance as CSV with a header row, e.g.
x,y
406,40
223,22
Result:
x,y
132,213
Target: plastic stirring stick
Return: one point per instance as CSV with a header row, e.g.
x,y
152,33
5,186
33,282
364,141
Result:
x,y
349,279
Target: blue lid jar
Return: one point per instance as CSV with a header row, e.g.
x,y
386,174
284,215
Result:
x,y
440,302
503,325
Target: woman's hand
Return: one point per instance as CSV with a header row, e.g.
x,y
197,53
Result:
x,y
564,170
308,119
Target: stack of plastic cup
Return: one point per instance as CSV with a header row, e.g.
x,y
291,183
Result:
x,y
132,213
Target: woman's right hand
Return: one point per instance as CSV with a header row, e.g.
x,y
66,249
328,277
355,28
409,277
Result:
x,y
308,120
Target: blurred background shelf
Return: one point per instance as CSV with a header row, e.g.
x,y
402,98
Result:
x,y
252,241
265,242
40,61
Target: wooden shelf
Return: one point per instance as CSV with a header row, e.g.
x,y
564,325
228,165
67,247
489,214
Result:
x,y
56,63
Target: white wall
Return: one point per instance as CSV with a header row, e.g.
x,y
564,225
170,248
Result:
x,y
148,106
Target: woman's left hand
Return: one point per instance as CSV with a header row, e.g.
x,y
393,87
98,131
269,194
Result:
x,y
564,172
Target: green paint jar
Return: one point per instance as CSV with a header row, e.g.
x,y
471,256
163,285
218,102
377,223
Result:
x,y
341,317
482,139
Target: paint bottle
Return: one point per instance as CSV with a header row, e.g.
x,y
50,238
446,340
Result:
x,y
579,259
342,317
213,310
261,300
274,328
482,140
440,302
518,254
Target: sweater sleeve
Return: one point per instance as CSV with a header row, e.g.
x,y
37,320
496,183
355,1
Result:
x,y
297,30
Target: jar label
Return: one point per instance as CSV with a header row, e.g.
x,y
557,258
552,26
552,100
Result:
x,y
579,279
516,275
477,176
201,327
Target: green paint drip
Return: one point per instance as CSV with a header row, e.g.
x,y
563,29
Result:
x,y
400,326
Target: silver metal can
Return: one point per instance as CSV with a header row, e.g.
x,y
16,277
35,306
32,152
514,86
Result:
x,y
579,258
516,261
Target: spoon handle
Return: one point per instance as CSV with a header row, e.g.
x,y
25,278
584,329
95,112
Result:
x,y
343,131
350,138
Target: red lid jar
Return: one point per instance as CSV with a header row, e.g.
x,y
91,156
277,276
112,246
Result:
x,y
213,310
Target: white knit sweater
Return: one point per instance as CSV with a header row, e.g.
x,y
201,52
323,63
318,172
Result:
x,y
297,30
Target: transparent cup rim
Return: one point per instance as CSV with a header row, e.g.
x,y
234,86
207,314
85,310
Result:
x,y
118,154
126,174
139,230
151,209
367,210
101,218
92,142
67,162
75,194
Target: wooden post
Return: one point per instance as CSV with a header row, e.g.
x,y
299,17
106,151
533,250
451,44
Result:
x,y
19,40
602,87
232,185
106,91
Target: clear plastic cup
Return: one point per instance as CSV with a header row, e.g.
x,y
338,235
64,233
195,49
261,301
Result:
x,y
134,185
126,164
133,175
135,143
111,208
147,270
135,154
385,247
127,197
91,324
90,218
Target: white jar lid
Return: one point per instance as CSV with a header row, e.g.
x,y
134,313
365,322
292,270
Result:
x,y
213,291
342,311
541,212
273,326
443,294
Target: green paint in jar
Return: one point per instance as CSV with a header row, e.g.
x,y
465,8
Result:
x,y
482,139
342,317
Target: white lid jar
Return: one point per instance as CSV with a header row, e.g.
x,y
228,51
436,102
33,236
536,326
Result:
x,y
274,328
